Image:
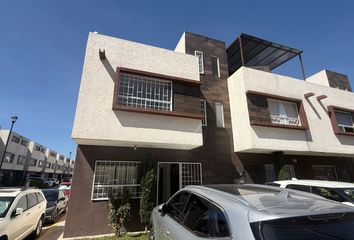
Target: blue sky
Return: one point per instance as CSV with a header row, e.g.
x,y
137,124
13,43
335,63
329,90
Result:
x,y
42,46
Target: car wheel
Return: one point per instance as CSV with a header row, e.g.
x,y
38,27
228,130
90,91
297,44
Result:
x,y
151,234
38,229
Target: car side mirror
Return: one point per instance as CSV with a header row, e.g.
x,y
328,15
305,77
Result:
x,y
164,208
18,211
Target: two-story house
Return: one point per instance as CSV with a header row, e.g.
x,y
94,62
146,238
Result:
x,y
207,114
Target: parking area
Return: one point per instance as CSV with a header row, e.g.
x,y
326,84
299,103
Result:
x,y
53,231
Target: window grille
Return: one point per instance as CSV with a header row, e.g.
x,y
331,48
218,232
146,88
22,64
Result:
x,y
24,142
21,160
112,176
15,139
199,54
9,157
204,112
191,174
32,162
144,92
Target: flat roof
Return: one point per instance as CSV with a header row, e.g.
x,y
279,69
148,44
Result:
x,y
252,51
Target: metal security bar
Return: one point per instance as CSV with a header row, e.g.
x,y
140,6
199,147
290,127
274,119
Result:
x,y
111,177
191,174
285,120
144,92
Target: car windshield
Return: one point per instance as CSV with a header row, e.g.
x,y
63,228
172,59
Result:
x,y
51,195
348,193
320,227
5,203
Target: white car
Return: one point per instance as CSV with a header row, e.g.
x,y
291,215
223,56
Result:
x,y
22,212
337,191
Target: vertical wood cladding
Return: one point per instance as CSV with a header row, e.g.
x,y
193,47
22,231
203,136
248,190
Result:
x,y
186,98
258,108
338,80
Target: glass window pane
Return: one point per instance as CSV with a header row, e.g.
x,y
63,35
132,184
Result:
x,y
22,203
177,204
344,119
219,110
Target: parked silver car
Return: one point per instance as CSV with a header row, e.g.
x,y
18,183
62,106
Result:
x,y
250,212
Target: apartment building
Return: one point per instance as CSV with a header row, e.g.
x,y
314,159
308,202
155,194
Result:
x,y
207,114
24,158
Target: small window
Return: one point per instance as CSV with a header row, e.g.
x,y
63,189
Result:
x,y
22,203
32,200
21,160
40,163
37,148
205,219
15,139
43,150
327,193
24,142
203,104
216,66
199,54
39,197
48,165
344,121
299,187
282,112
32,162
219,110
53,154
9,157
177,204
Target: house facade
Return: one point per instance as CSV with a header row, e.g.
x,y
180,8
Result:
x,y
207,114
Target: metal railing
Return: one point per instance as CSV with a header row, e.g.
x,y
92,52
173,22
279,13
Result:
x,y
285,120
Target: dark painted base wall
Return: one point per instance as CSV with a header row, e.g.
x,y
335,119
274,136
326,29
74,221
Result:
x,y
86,217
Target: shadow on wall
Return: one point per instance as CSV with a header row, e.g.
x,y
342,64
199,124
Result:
x,y
282,134
109,68
143,120
313,108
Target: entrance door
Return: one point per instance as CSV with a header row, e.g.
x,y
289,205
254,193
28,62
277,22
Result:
x,y
174,176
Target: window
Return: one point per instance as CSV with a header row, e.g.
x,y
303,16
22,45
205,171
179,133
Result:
x,y
216,66
270,172
21,160
53,154
205,219
43,150
299,187
285,113
61,157
177,204
9,157
22,203
199,54
40,163
324,172
53,165
219,110
144,92
344,121
39,197
32,162
112,176
328,193
203,111
37,148
31,199
48,165
15,139
290,170
24,142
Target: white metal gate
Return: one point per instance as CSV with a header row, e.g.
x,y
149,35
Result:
x,y
190,174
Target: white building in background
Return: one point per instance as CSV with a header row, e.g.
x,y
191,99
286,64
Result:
x,y
24,158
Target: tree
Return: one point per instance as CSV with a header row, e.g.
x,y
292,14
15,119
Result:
x,y
119,211
148,172
282,173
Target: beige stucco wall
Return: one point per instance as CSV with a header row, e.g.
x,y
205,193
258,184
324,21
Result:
x,y
181,45
97,124
319,139
36,155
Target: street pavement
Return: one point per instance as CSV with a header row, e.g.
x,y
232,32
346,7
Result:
x,y
53,231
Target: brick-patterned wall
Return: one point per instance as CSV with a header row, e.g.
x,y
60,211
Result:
x,y
258,108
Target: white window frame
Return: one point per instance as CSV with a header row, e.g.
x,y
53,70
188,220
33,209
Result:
x,y
217,65
200,61
203,104
120,185
222,114
298,120
341,125
145,94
